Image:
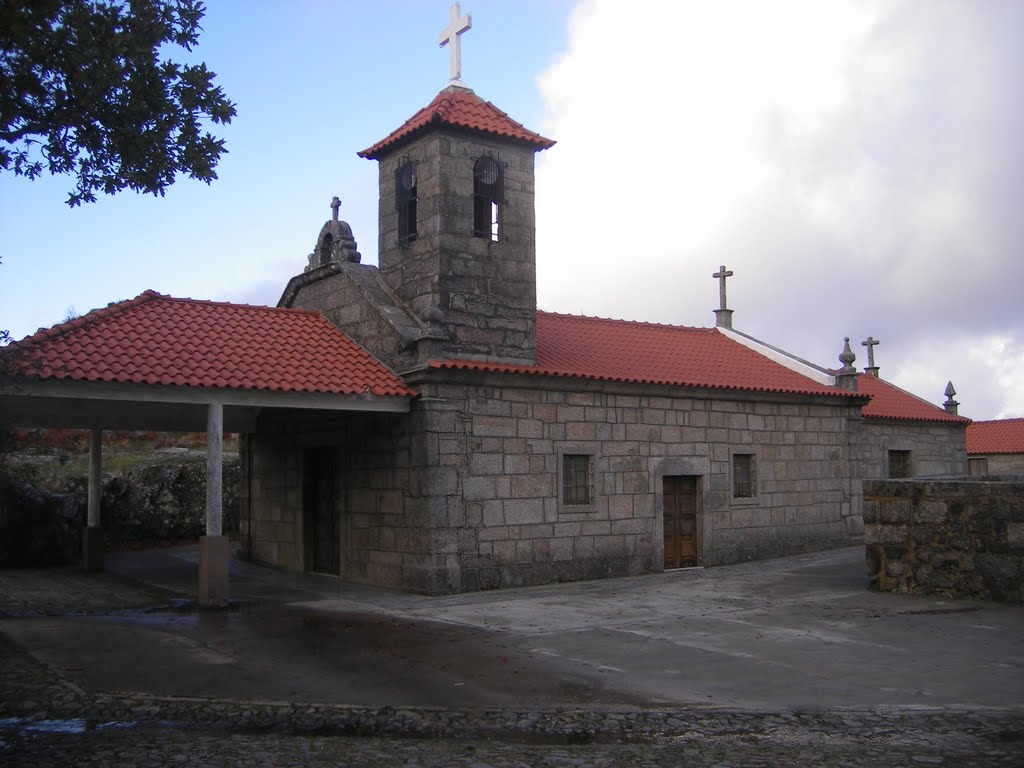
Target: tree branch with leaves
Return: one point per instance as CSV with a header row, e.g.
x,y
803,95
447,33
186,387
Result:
x,y
85,91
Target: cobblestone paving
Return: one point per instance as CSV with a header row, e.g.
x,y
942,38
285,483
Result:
x,y
114,749
46,721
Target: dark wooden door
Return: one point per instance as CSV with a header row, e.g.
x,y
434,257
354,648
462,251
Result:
x,y
323,514
680,521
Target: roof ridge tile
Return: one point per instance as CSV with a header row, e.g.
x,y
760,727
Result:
x,y
623,321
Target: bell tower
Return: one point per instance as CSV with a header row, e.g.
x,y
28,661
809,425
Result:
x,y
457,220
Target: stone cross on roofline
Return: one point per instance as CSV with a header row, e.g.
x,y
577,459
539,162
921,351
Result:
x,y
871,343
452,37
723,315
335,205
721,276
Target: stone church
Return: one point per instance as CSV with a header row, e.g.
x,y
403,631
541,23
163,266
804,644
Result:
x,y
422,425
544,447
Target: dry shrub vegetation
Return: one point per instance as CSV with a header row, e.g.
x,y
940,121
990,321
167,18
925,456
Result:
x,y
46,457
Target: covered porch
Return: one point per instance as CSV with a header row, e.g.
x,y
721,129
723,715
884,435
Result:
x,y
177,365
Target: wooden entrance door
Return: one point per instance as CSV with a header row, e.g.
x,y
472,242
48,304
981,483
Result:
x,y
323,515
680,512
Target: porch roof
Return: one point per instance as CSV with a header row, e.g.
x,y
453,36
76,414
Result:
x,y
154,361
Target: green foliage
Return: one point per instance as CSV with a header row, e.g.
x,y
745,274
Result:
x,y
85,91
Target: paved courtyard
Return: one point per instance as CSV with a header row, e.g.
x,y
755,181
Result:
x,y
786,662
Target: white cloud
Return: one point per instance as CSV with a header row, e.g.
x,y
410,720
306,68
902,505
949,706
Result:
x,y
993,364
857,164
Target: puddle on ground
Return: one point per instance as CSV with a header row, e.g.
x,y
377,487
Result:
x,y
71,725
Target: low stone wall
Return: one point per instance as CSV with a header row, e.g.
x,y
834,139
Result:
x,y
159,501
958,537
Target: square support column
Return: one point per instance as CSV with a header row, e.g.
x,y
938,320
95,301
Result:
x,y
92,534
214,548
214,568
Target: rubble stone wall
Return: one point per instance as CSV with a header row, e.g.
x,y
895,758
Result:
x,y
960,538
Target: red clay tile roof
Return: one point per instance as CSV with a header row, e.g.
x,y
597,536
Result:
x,y
999,436
890,402
647,353
157,339
459,108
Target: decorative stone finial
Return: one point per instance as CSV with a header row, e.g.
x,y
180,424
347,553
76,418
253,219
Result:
x,y
723,315
335,205
846,378
871,343
452,37
846,357
951,406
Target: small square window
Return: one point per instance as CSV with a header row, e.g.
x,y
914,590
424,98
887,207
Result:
x,y
744,475
577,479
899,464
978,467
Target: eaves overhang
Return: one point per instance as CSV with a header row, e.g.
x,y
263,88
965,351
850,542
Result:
x,y
106,405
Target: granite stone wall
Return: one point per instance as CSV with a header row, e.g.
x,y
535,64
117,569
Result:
x,y
937,449
356,300
271,526
381,538
960,538
464,492
484,292
1003,463
493,455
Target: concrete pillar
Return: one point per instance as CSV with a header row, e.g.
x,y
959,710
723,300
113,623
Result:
x,y
92,534
214,468
214,568
214,548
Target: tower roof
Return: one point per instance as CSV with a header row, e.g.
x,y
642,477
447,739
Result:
x,y
458,107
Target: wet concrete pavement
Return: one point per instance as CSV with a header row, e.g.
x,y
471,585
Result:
x,y
785,663
780,635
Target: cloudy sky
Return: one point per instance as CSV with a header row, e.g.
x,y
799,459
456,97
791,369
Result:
x,y
858,165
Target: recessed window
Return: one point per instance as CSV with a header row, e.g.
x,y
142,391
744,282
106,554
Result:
x,y
577,479
326,246
899,464
486,198
405,201
744,476
978,467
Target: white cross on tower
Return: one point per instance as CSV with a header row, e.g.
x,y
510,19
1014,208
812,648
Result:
x,y
457,24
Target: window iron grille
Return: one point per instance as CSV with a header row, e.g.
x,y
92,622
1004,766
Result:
x,y
405,200
577,480
900,464
744,476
